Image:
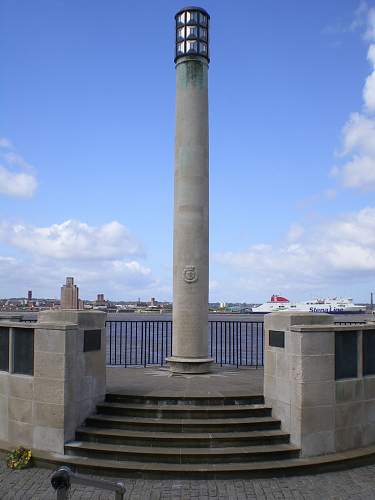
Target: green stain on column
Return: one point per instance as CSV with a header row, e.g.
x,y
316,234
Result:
x,y
192,74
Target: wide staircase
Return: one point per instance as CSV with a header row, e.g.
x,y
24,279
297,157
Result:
x,y
180,436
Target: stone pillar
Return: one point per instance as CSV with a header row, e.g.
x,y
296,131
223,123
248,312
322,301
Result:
x,y
190,236
299,378
42,405
84,372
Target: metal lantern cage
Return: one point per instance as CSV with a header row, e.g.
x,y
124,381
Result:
x,y
192,33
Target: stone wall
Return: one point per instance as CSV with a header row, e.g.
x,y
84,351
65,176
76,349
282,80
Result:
x,y
322,415
42,410
355,413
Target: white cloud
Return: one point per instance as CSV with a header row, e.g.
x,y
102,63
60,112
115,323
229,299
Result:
x,y
369,88
16,174
370,25
46,276
359,148
72,240
358,134
16,159
133,266
295,232
17,184
359,173
359,16
103,259
359,145
342,26
320,256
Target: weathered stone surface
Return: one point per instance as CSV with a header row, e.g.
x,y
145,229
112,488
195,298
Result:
x,y
49,390
270,392
49,439
369,411
49,365
269,362
283,390
349,414
369,387
317,419
20,433
318,443
49,415
313,368
313,394
20,409
282,365
350,390
4,384
293,343
317,343
347,438
21,386
50,341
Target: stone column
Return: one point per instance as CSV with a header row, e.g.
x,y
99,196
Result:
x,y
190,236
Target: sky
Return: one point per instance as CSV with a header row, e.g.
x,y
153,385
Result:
x,y
87,100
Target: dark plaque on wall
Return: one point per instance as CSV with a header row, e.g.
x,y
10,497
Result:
x,y
92,340
368,352
23,351
4,348
346,354
276,338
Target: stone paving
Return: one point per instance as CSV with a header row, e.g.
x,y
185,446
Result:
x,y
359,483
159,382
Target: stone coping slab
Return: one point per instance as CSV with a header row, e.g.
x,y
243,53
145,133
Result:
x,y
63,325
332,328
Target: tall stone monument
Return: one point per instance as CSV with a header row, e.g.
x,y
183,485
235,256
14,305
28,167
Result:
x,y
190,237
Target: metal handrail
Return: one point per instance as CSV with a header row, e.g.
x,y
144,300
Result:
x,y
62,478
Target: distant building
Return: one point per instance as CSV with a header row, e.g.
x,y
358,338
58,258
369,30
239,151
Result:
x,y
69,295
100,299
29,302
153,302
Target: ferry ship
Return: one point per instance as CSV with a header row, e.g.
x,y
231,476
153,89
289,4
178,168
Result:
x,y
335,305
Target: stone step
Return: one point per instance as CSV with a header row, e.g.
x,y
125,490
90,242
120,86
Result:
x,y
179,439
184,411
238,454
153,470
183,425
183,400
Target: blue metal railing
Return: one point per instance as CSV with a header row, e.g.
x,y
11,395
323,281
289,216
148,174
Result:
x,y
148,343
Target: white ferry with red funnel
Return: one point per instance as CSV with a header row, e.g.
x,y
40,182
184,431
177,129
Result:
x,y
335,305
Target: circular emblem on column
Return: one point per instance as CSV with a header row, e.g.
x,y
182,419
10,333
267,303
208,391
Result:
x,y
190,274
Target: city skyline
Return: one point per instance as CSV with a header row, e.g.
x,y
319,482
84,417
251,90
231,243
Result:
x,y
86,149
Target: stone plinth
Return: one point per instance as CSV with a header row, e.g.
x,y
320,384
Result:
x,y
299,380
323,411
43,410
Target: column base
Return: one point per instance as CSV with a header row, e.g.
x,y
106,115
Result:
x,y
179,364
